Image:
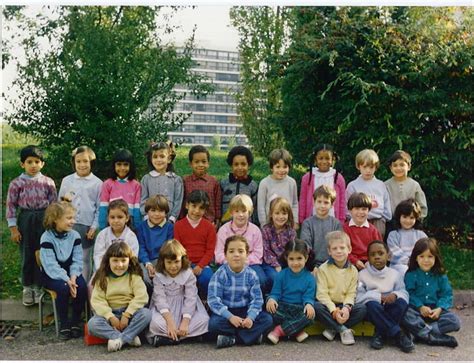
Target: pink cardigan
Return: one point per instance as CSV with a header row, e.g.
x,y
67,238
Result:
x,y
307,203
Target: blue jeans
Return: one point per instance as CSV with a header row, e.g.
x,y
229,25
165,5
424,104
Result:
x,y
387,317
421,327
203,279
324,316
100,327
270,274
262,277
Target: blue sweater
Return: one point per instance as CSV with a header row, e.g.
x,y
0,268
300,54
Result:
x,y
429,289
150,240
291,288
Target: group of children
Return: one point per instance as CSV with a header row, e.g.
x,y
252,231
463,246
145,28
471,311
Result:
x,y
162,251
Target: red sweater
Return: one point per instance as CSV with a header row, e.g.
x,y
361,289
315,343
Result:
x,y
360,239
199,242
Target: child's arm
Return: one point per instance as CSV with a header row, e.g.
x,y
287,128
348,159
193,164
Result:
x,y
52,193
219,249
421,199
144,193
49,262
340,207
178,196
393,243
303,197
190,297
11,206
137,216
261,202
351,288
349,191
99,248
210,246
256,298
139,293
104,203
269,256
445,294
95,223
255,257
99,303
76,266
142,250
294,200
387,207
322,294
310,291
307,234
132,241
277,287
215,295
218,202
364,295
411,287
399,288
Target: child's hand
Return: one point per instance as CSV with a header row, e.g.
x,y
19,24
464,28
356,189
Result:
x,y
15,234
435,313
315,272
278,268
183,327
90,233
360,265
425,311
309,311
236,321
272,306
247,323
335,313
197,270
123,322
345,313
171,328
115,322
72,286
389,299
151,270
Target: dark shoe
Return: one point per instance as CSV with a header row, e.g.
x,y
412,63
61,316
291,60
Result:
x,y
65,334
162,341
405,342
76,332
259,340
376,342
442,340
225,341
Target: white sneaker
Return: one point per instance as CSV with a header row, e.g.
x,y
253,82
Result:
x,y
329,334
136,342
273,338
302,336
347,337
28,296
37,291
114,345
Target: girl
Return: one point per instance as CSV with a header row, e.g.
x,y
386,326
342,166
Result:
x,y
121,185
82,189
61,260
118,299
118,231
275,235
161,179
407,220
431,296
292,298
177,311
321,172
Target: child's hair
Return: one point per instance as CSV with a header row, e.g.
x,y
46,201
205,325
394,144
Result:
x,y
241,201
239,150
280,154
281,204
359,200
155,146
170,250
33,151
400,155
199,197
80,150
236,237
117,249
299,246
374,242
367,157
325,191
406,208
421,246
126,156
318,148
338,236
123,206
198,149
157,201
55,211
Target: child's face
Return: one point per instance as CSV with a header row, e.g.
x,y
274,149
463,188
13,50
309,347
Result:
x,y
240,166
407,222
280,170
322,206
323,160
280,218
195,211
66,221
173,267
367,171
199,164
160,160
339,251
378,256
359,215
119,265
400,169
240,217
117,219
236,255
426,260
156,216
122,168
82,164
32,165
296,261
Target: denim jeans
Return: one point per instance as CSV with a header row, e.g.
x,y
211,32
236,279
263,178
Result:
x,y
262,278
203,279
386,317
421,327
270,274
324,316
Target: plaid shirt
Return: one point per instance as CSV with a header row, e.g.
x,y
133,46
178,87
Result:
x,y
211,186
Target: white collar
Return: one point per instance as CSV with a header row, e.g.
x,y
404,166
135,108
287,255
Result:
x,y
329,173
154,173
365,224
89,177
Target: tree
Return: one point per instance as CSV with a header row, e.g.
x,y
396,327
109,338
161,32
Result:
x,y
105,80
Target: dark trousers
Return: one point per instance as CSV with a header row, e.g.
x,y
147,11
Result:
x,y
421,327
291,317
222,326
324,316
387,317
62,300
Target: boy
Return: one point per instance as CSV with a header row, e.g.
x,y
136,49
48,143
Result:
x,y
359,230
240,159
235,299
151,234
199,158
31,193
316,227
337,284
277,184
367,162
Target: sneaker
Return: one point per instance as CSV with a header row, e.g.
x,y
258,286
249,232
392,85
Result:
x,y
442,340
329,334
405,342
273,337
225,341
259,340
301,336
347,337
114,345
37,291
136,342
376,342
65,334
28,296
76,332
161,341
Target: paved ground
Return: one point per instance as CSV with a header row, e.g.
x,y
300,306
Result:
x,y
30,344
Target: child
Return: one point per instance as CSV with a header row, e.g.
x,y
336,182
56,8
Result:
x,y
337,284
161,179
61,260
117,231
151,235
198,236
321,172
82,189
315,228
428,317
118,299
240,159
30,193
275,235
241,209
407,221
121,185
292,298
382,290
199,180
177,311
360,231
367,162
277,184
235,299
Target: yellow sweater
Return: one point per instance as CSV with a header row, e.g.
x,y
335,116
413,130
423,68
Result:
x,y
121,292
336,285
